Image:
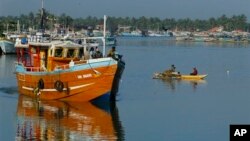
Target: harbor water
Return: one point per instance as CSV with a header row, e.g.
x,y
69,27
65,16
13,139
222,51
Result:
x,y
146,109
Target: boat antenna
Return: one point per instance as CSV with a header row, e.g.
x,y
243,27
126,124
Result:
x,y
104,34
18,27
42,17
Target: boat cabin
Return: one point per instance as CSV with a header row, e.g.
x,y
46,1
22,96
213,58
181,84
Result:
x,y
50,56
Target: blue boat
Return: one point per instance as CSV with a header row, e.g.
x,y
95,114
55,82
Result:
x,y
7,47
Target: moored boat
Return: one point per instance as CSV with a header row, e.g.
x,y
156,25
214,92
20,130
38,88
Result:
x,y
66,71
61,70
7,47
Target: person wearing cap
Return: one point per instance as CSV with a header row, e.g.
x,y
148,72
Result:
x,y
171,72
172,68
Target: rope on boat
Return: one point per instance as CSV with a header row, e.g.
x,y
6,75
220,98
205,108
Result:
x,y
97,72
37,91
40,85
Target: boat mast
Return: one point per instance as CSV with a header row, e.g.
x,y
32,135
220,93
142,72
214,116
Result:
x,y
42,18
7,29
18,27
104,34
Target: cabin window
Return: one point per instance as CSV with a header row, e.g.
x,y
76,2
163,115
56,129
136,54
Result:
x,y
25,57
70,53
33,50
81,52
8,45
58,52
50,52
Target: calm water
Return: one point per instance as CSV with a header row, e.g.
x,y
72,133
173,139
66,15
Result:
x,y
147,109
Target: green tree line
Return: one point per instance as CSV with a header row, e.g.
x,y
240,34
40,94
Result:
x,y
32,20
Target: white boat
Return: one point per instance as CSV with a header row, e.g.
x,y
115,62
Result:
x,y
135,33
7,47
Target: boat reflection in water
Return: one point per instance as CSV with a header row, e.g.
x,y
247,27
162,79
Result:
x,y
56,120
172,83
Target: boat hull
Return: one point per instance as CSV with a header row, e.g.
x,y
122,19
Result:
x,y
193,77
117,79
7,47
67,85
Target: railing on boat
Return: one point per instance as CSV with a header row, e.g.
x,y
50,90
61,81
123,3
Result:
x,y
67,66
30,68
34,69
43,69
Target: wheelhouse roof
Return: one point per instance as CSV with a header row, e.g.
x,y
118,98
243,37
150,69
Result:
x,y
63,44
68,44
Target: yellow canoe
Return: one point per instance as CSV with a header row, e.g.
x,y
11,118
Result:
x,y
182,76
193,77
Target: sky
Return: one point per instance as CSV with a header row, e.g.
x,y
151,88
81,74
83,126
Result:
x,y
178,9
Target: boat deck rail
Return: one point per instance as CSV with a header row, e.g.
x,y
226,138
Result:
x,y
31,68
35,69
57,67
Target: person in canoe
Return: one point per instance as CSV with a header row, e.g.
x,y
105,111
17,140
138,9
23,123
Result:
x,y
173,68
171,72
195,71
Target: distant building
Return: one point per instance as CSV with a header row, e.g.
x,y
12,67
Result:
x,y
217,29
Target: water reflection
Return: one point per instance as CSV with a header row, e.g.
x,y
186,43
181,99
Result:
x,y
196,83
7,65
9,90
173,83
54,120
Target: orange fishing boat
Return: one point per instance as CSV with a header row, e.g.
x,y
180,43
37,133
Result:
x,y
64,70
57,120
61,70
